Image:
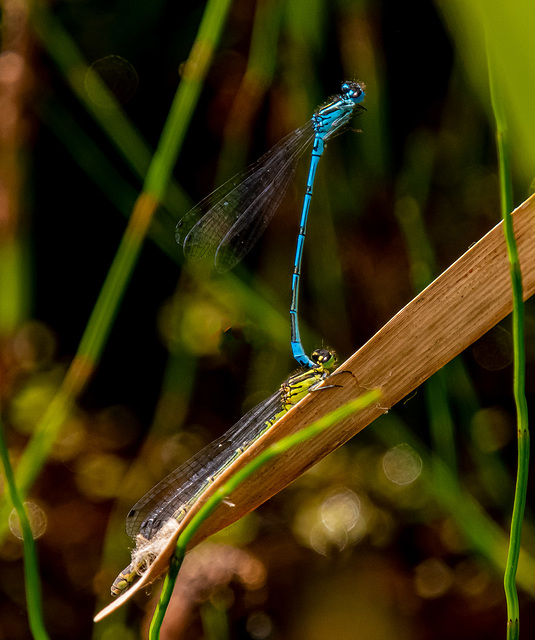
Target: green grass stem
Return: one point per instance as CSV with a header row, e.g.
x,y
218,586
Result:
x,y
31,564
186,97
234,481
506,202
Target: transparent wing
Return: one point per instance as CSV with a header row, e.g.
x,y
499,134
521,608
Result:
x,y
159,504
228,222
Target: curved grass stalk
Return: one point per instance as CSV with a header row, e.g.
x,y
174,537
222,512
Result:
x,y
31,565
234,481
506,202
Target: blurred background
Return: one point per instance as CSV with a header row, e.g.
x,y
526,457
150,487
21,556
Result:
x,y
378,540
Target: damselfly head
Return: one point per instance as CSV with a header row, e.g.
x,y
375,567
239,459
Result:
x,y
324,358
353,91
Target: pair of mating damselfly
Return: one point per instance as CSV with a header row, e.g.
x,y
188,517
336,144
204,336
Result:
x,y
226,225
228,222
